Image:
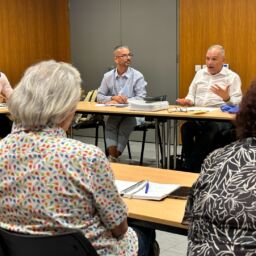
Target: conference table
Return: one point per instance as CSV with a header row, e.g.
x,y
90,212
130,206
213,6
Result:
x,y
95,108
172,114
165,215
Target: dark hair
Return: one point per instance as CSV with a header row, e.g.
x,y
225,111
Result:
x,y
246,117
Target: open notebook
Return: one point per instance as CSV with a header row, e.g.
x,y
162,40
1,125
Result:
x,y
145,189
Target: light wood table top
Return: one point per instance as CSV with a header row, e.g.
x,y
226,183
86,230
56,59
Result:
x,y
91,107
4,110
167,212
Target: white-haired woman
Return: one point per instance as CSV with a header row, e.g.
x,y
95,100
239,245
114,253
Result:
x,y
50,183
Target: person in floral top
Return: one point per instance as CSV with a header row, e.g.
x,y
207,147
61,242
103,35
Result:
x,y
49,183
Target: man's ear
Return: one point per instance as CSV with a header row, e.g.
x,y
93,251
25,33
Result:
x,y
115,60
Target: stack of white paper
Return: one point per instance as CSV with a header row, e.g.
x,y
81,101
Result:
x,y
141,105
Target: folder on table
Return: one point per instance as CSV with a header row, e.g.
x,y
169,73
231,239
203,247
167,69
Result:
x,y
145,189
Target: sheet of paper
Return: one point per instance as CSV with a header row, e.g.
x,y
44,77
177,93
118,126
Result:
x,y
117,104
112,104
207,109
123,184
156,191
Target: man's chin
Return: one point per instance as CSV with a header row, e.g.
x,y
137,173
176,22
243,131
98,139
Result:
x,y
212,71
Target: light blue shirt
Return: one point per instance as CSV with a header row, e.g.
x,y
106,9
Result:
x,y
130,84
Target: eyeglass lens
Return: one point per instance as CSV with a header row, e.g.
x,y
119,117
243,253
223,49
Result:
x,y
125,55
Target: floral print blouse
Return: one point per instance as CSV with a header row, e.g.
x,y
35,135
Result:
x,y
221,209
49,184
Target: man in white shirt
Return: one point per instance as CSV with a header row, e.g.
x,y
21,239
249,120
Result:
x,y
212,86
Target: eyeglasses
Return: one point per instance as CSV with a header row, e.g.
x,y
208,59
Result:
x,y
181,109
125,55
177,109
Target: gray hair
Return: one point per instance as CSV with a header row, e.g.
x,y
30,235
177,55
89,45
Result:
x,y
117,48
47,93
220,48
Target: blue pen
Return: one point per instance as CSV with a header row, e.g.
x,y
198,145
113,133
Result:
x,y
147,187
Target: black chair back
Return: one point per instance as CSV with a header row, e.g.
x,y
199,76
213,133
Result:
x,y
149,124
68,244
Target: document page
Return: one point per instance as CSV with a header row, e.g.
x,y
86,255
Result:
x,y
207,109
145,189
112,104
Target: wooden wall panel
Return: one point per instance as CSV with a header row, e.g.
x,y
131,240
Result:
x,y
231,23
31,31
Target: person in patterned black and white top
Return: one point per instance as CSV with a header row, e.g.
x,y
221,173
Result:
x,y
221,209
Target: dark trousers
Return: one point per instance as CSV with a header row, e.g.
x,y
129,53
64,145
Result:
x,y
5,126
199,138
146,238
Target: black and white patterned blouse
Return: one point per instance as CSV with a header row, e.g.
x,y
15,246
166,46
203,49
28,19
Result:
x,y
221,209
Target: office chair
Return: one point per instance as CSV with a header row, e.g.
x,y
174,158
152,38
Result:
x,y
221,139
73,243
85,121
144,127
